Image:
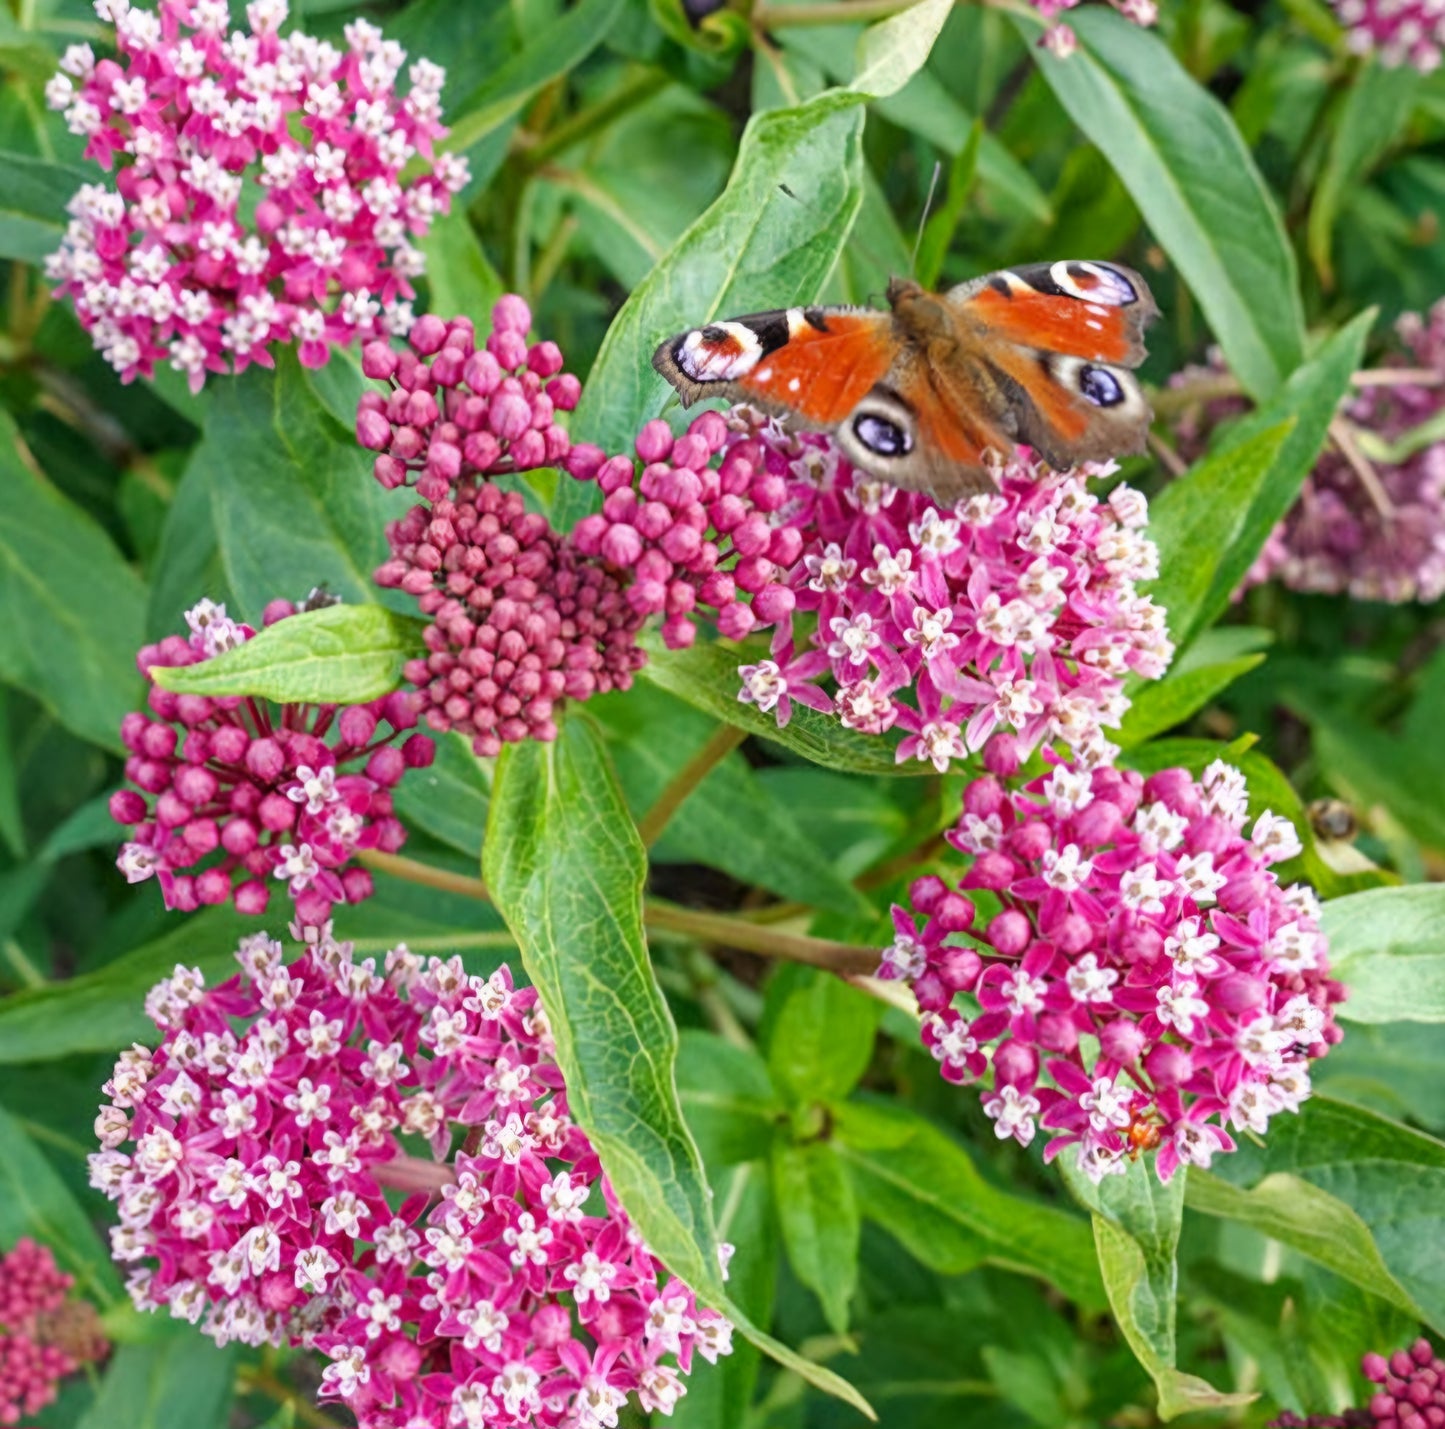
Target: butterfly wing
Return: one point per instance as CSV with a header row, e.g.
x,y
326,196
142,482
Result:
x,y
1057,341
845,371
813,365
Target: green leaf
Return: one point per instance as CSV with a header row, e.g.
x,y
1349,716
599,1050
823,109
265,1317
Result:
x,y
74,610
706,677
459,275
1163,704
35,1202
1311,398
891,52
1200,515
293,502
179,1380
552,51
727,1098
769,240
1375,111
818,1034
924,1189
32,205
448,799
1194,180
1313,1222
566,869
338,655
818,1215
1387,946
1136,1231
1388,1176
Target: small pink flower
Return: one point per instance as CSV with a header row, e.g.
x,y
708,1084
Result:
x,y
228,796
1144,981
1409,33
500,1282
259,195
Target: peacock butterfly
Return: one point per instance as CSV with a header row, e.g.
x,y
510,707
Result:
x,y
928,394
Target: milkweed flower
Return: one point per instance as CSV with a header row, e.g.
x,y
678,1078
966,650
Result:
x,y
455,410
44,1336
1145,980
1400,32
228,796
1372,530
264,189
1015,612
258,1161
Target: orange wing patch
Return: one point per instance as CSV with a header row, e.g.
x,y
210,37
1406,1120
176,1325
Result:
x,y
823,375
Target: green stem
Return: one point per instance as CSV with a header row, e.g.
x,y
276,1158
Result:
x,y
826,12
25,970
727,931
414,871
592,119
720,744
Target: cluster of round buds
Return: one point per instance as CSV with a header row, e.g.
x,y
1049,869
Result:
x,y
1015,612
43,1336
1146,979
1372,529
1412,1388
256,1160
456,410
519,620
694,537
260,196
1401,32
229,795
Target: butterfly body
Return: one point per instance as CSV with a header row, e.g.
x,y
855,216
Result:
x,y
931,393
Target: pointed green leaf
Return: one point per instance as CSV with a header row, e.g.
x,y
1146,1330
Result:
x,y
1197,517
891,52
566,868
338,655
1136,1231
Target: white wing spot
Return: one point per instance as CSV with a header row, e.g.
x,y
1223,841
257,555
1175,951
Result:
x,y
794,385
705,360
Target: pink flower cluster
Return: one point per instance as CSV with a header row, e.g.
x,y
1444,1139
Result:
x,y
1015,612
456,411
1401,32
1412,1388
1144,982
500,1284
42,1337
230,794
1377,534
519,619
260,197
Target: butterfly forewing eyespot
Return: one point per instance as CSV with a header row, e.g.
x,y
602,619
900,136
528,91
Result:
x,y
1094,283
720,352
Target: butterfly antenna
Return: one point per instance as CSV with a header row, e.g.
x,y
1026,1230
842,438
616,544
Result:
x,y
923,219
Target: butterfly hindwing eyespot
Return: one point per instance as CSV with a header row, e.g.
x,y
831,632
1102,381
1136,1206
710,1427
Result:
x,y
1099,386
882,435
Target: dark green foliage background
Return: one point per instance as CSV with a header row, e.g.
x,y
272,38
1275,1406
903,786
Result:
x,y
634,174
